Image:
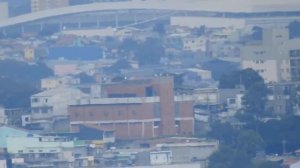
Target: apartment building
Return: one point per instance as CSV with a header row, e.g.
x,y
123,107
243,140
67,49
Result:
x,y
40,5
275,58
136,109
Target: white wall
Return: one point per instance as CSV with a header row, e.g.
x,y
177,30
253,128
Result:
x,y
295,165
268,69
160,158
4,11
3,164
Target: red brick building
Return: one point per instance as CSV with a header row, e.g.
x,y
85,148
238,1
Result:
x,y
138,109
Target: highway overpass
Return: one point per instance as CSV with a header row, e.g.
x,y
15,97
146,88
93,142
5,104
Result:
x,y
135,12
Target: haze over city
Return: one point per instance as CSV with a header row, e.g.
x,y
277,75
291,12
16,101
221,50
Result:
x,y
149,83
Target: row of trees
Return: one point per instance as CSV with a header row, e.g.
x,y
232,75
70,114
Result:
x,y
238,146
148,52
18,81
256,92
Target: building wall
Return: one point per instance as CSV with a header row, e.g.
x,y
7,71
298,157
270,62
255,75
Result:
x,y
3,163
276,57
53,103
4,10
137,117
8,132
295,165
291,49
268,69
194,44
36,145
160,158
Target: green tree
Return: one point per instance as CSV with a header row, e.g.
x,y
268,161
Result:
x,y
24,73
160,29
219,67
246,77
255,97
228,157
274,132
255,100
150,52
265,164
15,94
121,64
249,142
224,132
129,45
85,78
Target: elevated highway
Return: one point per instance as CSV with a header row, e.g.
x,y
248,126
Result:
x,y
115,14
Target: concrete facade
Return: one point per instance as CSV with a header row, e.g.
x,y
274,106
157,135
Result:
x,y
275,58
54,102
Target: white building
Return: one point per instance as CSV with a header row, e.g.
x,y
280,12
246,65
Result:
x,y
160,158
37,144
55,82
275,58
195,44
3,163
54,102
295,165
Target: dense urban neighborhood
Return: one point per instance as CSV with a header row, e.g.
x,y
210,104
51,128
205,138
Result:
x,y
149,83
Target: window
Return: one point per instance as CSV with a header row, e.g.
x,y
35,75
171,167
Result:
x,y
35,100
156,112
177,123
44,110
294,53
91,114
149,91
232,101
35,110
177,109
134,113
156,124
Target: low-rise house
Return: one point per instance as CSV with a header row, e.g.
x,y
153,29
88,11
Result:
x,y
51,105
190,151
52,152
6,131
55,82
195,44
